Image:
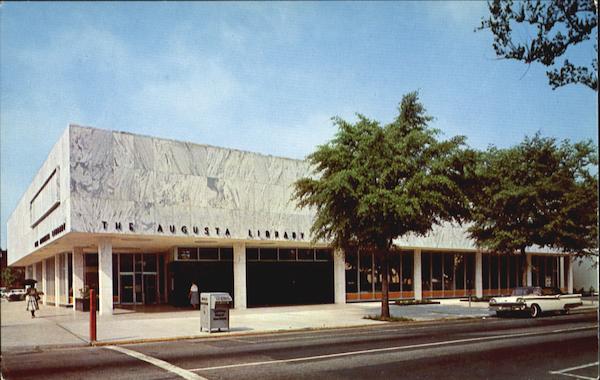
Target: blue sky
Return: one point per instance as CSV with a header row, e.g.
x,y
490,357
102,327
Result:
x,y
264,77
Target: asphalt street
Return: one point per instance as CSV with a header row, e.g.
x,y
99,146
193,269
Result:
x,y
552,347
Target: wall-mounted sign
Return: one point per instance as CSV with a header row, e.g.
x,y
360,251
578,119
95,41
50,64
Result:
x,y
57,231
205,231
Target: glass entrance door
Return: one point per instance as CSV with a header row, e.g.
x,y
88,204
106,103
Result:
x,y
138,278
126,283
149,289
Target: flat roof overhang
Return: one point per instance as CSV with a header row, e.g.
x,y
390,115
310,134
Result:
x,y
132,243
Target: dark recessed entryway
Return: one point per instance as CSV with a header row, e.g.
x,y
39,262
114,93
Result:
x,y
289,283
214,276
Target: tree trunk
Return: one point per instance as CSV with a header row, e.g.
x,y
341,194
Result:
x,y
525,266
385,296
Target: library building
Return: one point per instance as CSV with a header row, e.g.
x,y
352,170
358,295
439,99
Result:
x,y
139,218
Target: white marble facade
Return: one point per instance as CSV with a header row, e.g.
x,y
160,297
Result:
x,y
22,234
157,184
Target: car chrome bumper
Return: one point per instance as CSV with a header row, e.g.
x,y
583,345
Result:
x,y
508,307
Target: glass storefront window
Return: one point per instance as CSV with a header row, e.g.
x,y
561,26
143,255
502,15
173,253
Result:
x,y
366,272
535,271
470,268
186,253
513,272
137,262
268,254
126,263
161,278
208,254
378,272
459,270
407,271
519,263
556,272
70,275
252,254
503,271
494,268
91,270
226,254
306,254
287,254
50,278
149,262
436,271
323,254
115,274
448,271
395,264
426,270
351,270
91,260
38,274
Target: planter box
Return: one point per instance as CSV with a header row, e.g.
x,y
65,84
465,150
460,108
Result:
x,y
83,304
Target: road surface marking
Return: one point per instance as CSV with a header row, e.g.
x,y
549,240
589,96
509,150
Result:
x,y
159,363
397,348
241,340
324,336
564,371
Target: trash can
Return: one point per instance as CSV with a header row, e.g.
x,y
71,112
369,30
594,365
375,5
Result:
x,y
214,311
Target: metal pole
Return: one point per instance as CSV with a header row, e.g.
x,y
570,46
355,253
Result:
x,y
92,316
470,291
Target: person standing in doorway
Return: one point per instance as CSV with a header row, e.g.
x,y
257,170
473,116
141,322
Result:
x,y
194,299
32,300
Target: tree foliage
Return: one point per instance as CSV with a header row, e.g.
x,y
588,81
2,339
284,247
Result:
x,y
9,277
537,193
374,183
558,26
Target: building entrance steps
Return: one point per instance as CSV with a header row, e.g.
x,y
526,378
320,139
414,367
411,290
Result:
x,y
60,327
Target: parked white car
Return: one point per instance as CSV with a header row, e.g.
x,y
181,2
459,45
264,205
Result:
x,y
534,301
16,294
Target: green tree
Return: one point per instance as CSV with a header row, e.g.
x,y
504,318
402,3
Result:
x,y
555,27
537,193
373,184
9,277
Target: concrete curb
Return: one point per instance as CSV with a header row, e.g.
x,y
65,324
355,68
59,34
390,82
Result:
x,y
227,335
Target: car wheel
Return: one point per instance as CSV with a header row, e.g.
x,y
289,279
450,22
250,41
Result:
x,y
535,311
565,311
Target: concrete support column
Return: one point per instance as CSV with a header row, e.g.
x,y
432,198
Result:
x,y
239,275
57,270
529,275
478,274
105,280
417,282
35,275
44,283
561,272
339,276
78,273
569,262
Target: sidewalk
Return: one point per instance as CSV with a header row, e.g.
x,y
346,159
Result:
x,y
59,327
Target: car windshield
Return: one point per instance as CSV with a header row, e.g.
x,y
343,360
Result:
x,y
522,291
